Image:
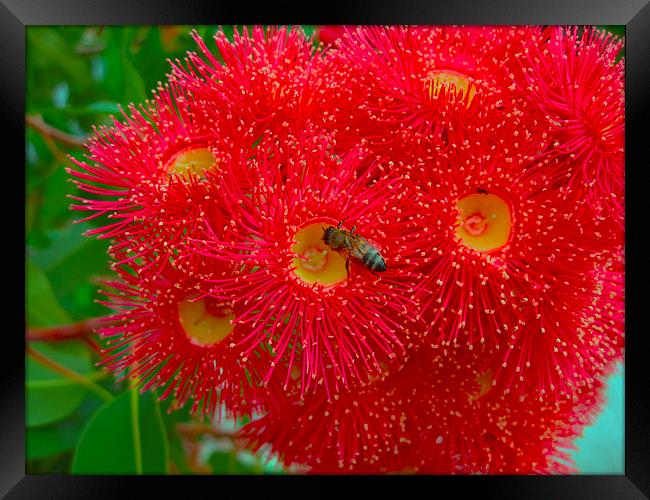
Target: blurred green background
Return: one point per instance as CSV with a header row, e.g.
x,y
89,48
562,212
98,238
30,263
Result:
x,y
76,76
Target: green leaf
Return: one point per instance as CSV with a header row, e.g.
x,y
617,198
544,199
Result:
x,y
125,436
223,462
122,81
134,90
52,403
64,244
55,210
151,58
99,107
50,440
59,437
178,456
73,263
112,58
52,464
48,49
171,418
43,308
52,396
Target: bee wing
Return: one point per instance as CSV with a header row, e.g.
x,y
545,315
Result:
x,y
374,244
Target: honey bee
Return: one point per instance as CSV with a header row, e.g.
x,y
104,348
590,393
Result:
x,y
349,244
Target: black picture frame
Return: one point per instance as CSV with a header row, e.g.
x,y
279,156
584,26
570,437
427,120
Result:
x,y
16,15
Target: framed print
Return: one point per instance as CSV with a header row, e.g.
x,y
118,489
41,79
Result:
x,y
387,245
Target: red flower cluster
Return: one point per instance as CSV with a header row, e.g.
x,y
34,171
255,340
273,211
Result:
x,y
251,203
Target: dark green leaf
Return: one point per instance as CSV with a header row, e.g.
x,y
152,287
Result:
x,y
62,436
51,464
50,440
73,264
125,436
106,107
151,58
55,209
51,55
171,418
52,396
43,308
92,109
113,80
134,90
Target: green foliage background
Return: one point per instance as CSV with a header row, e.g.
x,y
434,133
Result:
x,y
91,424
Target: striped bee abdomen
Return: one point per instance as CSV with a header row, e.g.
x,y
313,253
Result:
x,y
373,260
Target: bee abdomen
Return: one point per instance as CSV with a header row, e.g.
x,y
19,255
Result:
x,y
374,261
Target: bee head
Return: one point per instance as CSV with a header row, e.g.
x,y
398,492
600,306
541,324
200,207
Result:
x,y
327,233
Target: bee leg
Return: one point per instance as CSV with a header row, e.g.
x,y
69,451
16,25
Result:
x,y
340,225
347,268
353,228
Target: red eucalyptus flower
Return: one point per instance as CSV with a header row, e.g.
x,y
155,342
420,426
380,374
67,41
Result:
x,y
293,290
606,321
361,431
577,83
146,176
402,85
172,336
509,261
439,414
465,425
581,349
266,80
484,164
328,34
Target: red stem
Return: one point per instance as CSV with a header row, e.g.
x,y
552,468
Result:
x,y
194,430
37,123
82,329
